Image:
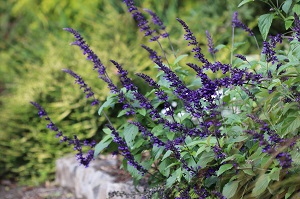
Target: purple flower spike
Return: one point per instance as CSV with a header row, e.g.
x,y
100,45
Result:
x,y
156,20
189,36
211,47
296,28
122,146
87,51
238,24
82,84
84,160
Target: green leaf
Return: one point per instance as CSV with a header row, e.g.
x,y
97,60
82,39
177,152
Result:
x,y
244,2
162,167
170,135
261,185
200,150
102,145
264,24
210,181
249,172
224,168
287,6
143,112
296,9
294,125
205,158
106,131
171,180
290,192
110,102
157,151
274,174
288,22
134,172
167,154
179,58
123,112
230,189
220,46
238,139
130,132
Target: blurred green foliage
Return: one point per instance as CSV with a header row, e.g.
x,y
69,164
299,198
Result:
x,y
34,50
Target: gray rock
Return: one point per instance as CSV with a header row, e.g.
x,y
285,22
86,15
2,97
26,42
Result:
x,y
93,182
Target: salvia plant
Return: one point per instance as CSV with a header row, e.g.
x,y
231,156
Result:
x,y
196,135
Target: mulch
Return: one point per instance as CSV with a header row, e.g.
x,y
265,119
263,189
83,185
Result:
x,y
10,190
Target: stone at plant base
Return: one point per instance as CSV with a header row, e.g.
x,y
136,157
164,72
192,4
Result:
x,y
94,182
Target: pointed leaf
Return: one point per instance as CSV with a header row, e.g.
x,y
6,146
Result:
x,y
261,185
130,133
102,145
179,58
224,168
264,24
287,6
230,189
244,2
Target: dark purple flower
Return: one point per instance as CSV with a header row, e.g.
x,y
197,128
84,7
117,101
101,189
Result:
x,y
242,57
146,133
122,146
184,194
285,159
268,48
126,82
159,93
86,50
139,18
156,20
296,27
82,84
171,146
218,152
153,54
189,36
218,195
211,47
238,24
84,160
202,192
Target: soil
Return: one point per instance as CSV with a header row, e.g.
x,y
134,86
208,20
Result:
x,y
9,190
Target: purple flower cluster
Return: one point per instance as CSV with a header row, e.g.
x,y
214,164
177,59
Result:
x,y
189,36
296,27
122,146
158,92
138,17
219,154
146,133
171,146
236,23
84,160
268,48
202,192
82,84
87,51
185,193
156,20
218,195
210,44
273,143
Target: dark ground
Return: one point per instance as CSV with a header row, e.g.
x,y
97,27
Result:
x,y
48,191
